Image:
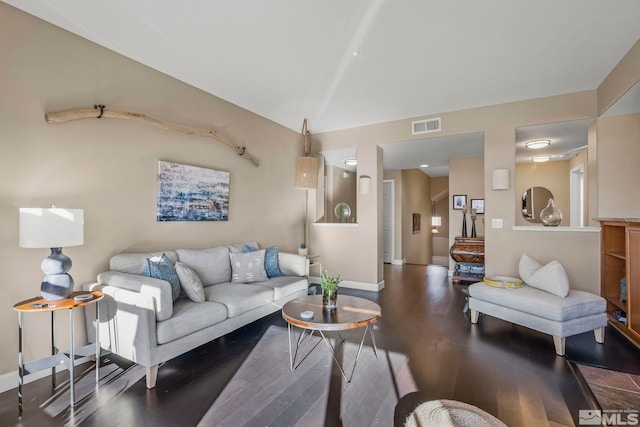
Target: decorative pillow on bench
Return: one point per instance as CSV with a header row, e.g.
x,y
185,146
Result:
x,y
551,277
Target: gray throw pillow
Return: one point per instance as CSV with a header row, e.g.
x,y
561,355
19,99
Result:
x,y
190,282
248,267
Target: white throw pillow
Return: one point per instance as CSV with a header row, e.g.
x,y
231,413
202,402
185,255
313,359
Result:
x,y
190,282
551,277
527,267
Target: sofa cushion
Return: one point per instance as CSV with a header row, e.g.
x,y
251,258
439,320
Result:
x,y
211,265
285,285
132,262
239,297
248,267
550,277
540,303
188,317
162,268
292,264
190,282
270,260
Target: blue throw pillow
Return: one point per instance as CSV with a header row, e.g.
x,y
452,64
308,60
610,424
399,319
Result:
x,y
271,265
163,269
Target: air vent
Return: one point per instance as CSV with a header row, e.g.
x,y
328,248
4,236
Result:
x,y
425,126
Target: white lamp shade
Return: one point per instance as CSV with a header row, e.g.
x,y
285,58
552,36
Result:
x,y
51,228
306,172
500,179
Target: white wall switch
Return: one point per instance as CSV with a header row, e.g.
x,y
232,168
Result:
x,y
496,223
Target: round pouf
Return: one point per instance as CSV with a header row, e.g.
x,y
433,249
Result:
x,y
450,413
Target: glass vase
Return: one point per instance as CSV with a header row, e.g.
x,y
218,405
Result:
x,y
329,299
551,216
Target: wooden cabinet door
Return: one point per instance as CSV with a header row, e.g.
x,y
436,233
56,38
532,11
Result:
x,y
633,282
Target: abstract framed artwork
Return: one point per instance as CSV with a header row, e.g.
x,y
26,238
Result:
x,y
478,205
191,193
459,201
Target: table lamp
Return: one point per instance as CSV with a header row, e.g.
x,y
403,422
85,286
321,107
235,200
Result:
x,y
53,228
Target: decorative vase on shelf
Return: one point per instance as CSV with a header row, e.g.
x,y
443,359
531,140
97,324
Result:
x,y
551,216
464,220
473,223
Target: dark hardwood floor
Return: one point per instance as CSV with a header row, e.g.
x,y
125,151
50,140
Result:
x,y
507,370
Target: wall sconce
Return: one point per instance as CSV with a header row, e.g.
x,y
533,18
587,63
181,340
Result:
x,y
306,173
500,179
365,184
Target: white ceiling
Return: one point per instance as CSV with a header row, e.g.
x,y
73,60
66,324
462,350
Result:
x,y
287,60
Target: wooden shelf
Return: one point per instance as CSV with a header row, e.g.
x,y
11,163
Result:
x,y
622,305
617,254
620,248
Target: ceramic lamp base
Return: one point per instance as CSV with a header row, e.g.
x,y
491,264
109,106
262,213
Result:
x,y
57,284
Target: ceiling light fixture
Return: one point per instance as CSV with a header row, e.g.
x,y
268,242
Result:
x,y
535,145
424,165
350,162
539,159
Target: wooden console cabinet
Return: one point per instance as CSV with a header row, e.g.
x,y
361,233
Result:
x,y
620,252
468,253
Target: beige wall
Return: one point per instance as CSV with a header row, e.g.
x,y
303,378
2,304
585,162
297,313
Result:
x,y
552,175
108,167
618,172
340,190
440,194
466,177
416,199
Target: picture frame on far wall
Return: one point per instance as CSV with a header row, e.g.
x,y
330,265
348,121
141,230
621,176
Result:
x,y
459,201
478,205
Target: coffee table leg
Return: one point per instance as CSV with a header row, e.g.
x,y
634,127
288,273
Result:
x,y
305,335
353,369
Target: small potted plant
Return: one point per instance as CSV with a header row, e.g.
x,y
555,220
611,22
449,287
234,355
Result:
x,y
302,250
329,286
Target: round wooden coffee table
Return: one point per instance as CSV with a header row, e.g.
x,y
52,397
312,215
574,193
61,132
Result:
x,y
351,313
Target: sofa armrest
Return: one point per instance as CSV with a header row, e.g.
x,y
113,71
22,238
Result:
x,y
293,264
159,290
127,323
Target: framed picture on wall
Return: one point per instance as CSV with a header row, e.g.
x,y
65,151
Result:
x,y
459,201
478,205
416,223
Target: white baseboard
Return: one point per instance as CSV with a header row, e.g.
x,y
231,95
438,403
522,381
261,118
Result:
x,y
9,380
375,287
398,261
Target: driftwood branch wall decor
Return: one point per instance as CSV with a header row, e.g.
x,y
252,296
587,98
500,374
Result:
x,y
99,111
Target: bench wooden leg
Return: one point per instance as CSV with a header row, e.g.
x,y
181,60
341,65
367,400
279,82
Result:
x,y
152,376
558,342
599,333
474,316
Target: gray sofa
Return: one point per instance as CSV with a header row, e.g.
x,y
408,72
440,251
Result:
x,y
140,321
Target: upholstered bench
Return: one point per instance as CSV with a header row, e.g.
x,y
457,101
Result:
x,y
542,311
